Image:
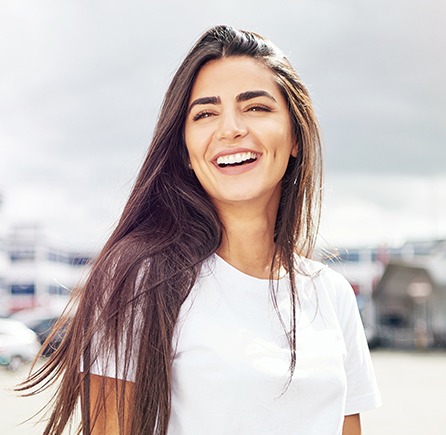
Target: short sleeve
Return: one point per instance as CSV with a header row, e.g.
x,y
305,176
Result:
x,y
117,357
107,363
116,360
362,388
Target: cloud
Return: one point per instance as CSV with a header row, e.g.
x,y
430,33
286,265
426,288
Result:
x,y
82,82
386,209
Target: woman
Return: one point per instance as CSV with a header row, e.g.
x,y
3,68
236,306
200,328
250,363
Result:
x,y
202,313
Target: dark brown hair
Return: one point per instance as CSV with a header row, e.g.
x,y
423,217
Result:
x,y
140,279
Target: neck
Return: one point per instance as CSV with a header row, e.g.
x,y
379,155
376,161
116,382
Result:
x,y
248,238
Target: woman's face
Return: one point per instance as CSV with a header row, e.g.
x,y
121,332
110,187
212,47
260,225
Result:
x,y
238,131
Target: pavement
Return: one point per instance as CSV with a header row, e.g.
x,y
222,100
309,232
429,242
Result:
x,y
413,389
412,384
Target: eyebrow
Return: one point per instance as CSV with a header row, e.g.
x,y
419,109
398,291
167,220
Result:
x,y
249,95
244,96
204,100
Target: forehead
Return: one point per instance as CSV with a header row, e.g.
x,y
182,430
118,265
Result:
x,y
232,75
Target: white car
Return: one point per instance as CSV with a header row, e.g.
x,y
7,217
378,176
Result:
x,y
18,344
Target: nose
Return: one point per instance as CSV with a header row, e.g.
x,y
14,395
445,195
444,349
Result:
x,y
231,126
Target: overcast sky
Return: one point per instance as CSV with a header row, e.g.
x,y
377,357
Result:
x,y
81,83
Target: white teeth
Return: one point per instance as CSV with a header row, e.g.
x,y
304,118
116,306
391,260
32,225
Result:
x,y
236,158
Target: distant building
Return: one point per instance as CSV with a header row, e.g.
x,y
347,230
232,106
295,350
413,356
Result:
x,y
4,267
410,299
364,266
34,272
388,283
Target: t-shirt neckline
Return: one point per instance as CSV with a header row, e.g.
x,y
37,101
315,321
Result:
x,y
233,271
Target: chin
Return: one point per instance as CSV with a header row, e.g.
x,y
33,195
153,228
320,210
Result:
x,y
242,198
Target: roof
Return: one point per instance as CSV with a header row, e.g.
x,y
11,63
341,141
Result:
x,y
401,274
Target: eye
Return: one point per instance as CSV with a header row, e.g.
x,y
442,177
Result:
x,y
202,115
258,108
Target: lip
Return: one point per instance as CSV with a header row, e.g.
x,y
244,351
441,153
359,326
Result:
x,y
236,170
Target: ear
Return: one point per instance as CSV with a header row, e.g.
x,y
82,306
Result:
x,y
294,150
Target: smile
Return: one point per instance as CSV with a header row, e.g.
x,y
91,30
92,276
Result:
x,y
236,159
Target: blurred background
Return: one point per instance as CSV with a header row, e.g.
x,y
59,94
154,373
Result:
x,y
81,84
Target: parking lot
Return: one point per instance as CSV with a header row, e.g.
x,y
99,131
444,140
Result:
x,y
413,386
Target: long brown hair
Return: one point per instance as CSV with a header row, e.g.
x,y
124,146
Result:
x,y
140,279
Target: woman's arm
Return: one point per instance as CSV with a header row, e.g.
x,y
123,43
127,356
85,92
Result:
x,y
104,388
352,425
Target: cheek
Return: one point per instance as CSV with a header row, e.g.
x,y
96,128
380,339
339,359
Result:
x,y
191,145
196,143
285,146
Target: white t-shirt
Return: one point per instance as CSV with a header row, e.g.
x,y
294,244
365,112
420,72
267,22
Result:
x,y
231,364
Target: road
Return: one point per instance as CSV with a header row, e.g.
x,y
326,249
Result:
x,y
413,386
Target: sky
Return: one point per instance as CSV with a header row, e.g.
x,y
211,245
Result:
x,y
81,83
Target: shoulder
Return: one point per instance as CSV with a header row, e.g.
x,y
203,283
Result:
x,y
325,281
320,272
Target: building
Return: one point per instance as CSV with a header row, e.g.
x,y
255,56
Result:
x,y
410,299
35,273
390,283
4,267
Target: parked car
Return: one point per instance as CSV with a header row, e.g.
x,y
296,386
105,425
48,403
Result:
x,y
18,344
41,321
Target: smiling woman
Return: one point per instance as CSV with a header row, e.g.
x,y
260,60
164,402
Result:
x,y
244,129
204,314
